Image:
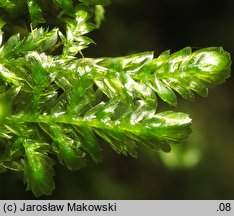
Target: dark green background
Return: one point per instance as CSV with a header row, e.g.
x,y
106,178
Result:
x,y
142,25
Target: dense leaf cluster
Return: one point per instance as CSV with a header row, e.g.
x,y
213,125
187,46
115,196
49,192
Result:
x,y
42,11
56,105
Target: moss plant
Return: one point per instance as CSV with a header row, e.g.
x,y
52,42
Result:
x,y
54,102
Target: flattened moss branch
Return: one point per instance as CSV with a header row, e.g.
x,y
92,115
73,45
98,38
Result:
x,y
58,104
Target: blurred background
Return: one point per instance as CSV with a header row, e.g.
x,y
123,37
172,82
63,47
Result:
x,y
203,168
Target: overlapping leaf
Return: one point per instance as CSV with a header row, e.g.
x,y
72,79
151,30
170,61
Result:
x,y
67,6
64,106
38,170
37,11
75,41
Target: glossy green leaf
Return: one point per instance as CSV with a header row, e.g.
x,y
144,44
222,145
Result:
x,y
90,143
69,149
67,6
9,76
211,65
171,126
180,87
39,40
17,149
119,142
38,170
35,12
76,28
63,105
165,92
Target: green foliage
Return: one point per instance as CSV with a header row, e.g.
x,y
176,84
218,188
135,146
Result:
x,y
96,2
74,41
55,104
